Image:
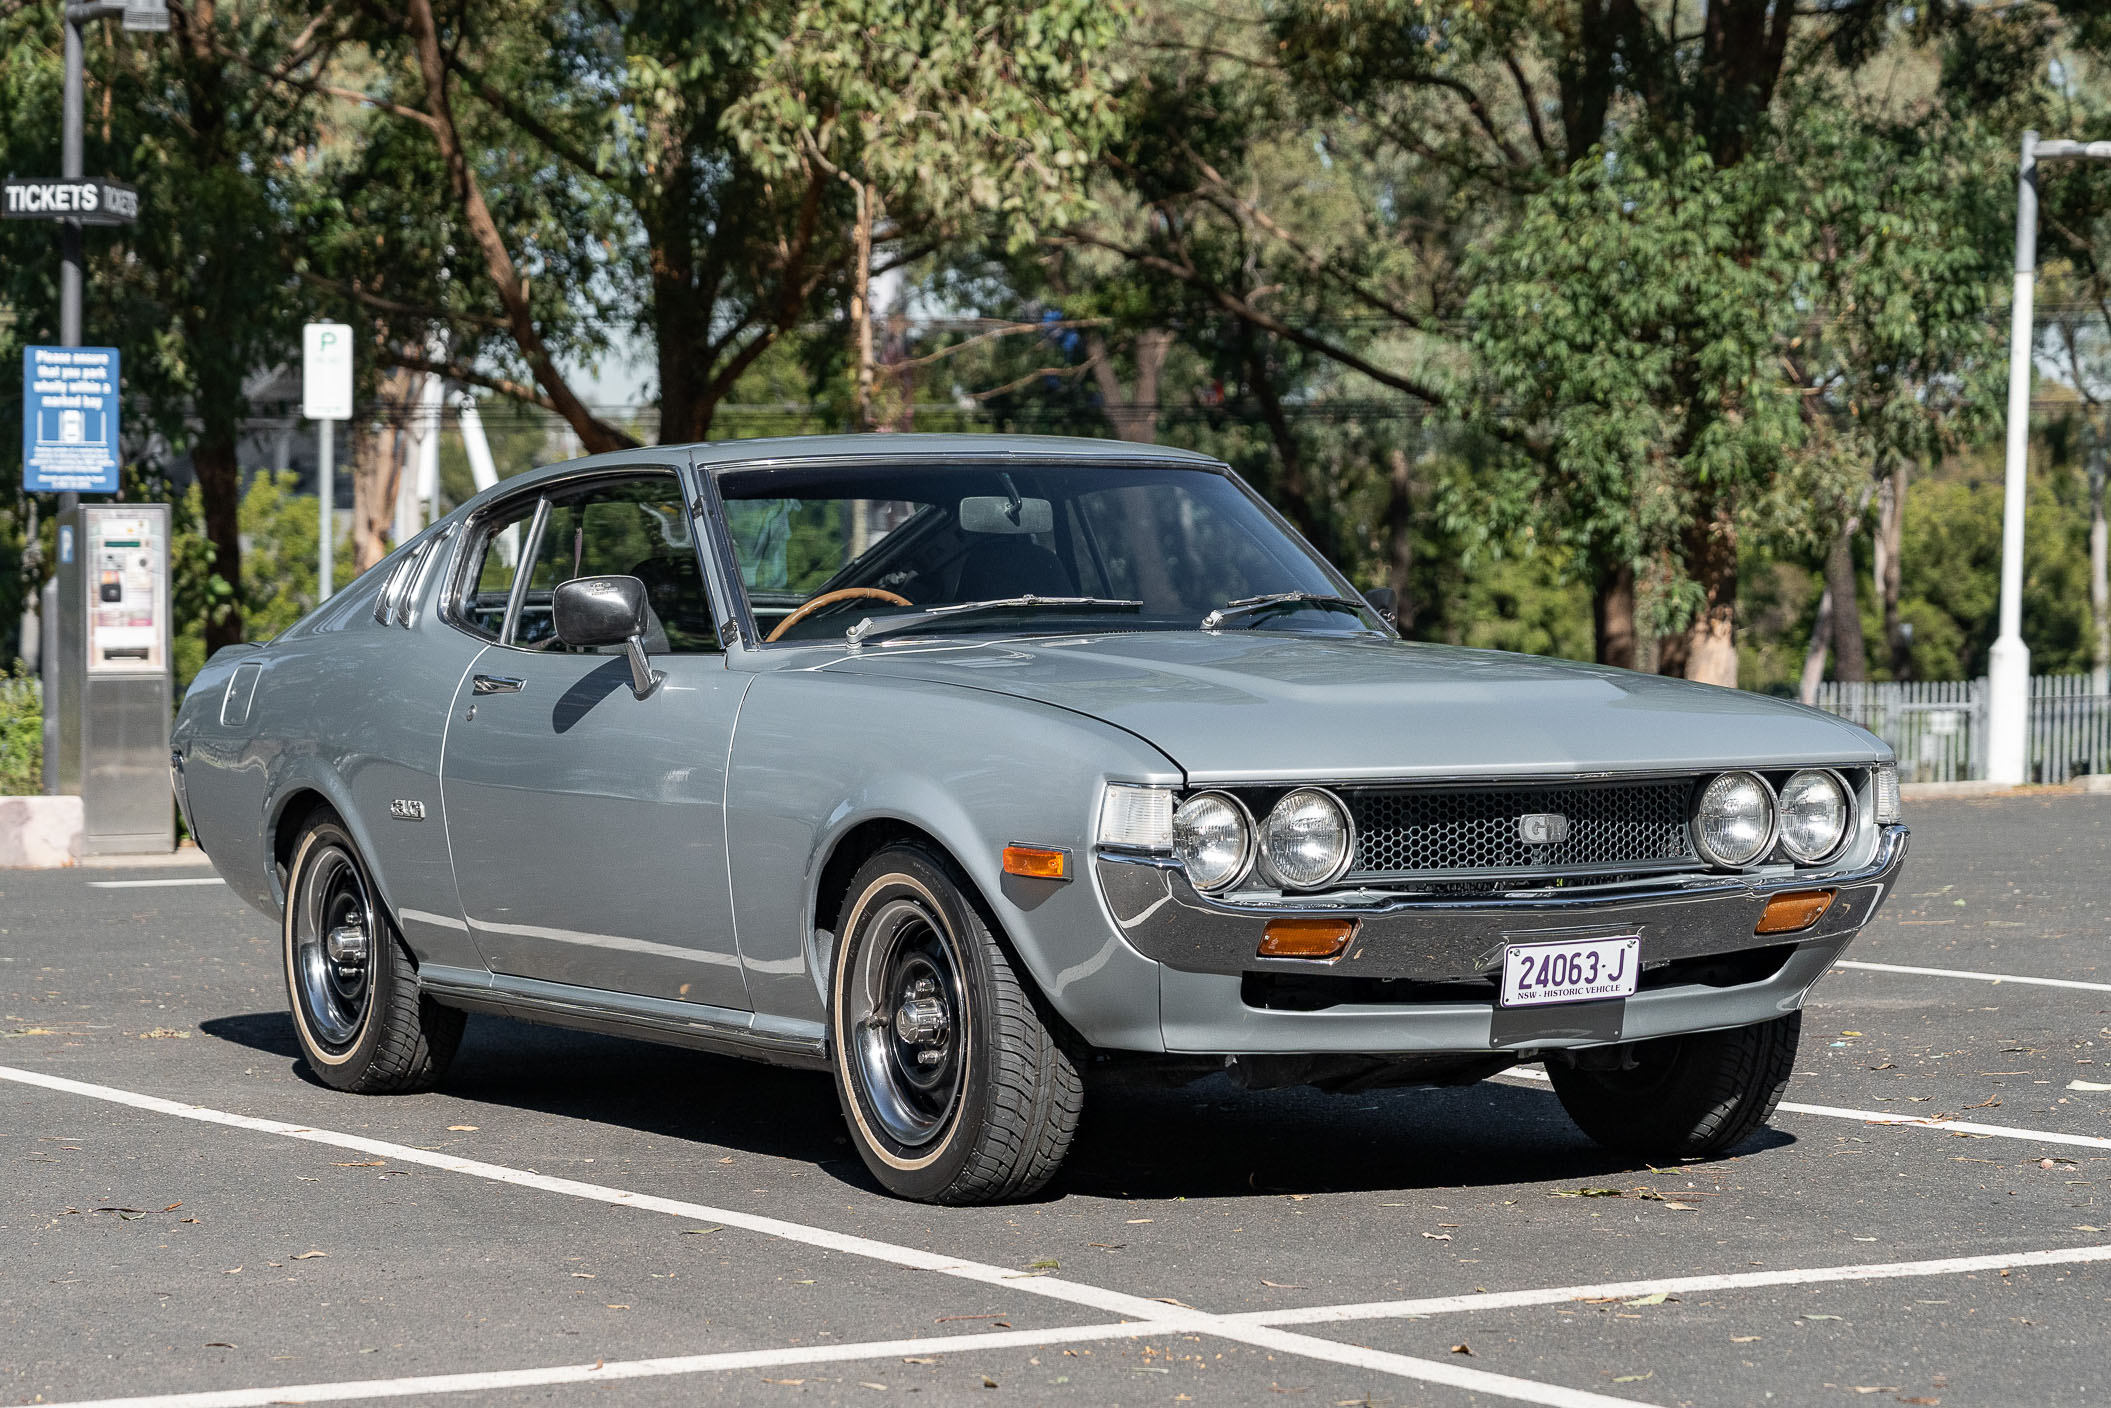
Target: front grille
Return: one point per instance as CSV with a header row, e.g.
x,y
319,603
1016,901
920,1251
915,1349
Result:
x,y
1451,831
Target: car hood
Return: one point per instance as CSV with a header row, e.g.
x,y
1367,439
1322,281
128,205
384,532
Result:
x,y
1257,706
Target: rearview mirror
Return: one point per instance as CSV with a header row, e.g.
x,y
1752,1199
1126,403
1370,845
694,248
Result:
x,y
590,612
997,514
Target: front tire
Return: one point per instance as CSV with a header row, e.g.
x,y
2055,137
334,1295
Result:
x,y
1685,1096
360,1020
952,1082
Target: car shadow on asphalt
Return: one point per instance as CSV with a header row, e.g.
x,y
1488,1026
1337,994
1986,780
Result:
x,y
1210,1139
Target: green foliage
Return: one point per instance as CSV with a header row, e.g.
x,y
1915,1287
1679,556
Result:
x,y
950,112
278,588
21,735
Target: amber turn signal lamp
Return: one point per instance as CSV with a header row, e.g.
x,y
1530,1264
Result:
x,y
1797,910
1306,938
1037,862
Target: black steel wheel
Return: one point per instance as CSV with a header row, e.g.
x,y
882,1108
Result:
x,y
952,1082
360,1020
1684,1096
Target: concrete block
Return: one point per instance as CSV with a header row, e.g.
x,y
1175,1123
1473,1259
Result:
x,y
40,833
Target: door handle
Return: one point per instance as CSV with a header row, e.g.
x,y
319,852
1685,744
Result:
x,y
496,684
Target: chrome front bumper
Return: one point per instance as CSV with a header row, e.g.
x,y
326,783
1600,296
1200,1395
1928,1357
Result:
x,y
1456,940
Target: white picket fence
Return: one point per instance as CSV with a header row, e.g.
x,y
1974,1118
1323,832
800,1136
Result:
x,y
1938,727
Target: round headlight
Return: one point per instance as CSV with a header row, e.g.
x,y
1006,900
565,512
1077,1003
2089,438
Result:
x,y
1307,841
1814,812
1734,821
1213,839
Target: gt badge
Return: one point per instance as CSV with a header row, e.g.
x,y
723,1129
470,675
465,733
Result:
x,y
1543,829
407,809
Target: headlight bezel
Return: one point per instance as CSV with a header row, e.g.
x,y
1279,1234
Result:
x,y
1696,807
1249,836
1850,817
1265,863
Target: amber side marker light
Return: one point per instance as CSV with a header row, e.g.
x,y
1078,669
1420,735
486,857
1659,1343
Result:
x,y
1306,938
1796,910
1037,862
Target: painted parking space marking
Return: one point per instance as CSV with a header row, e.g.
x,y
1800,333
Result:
x,y
154,884
599,1373
1173,1319
1841,1112
1969,973
1674,1285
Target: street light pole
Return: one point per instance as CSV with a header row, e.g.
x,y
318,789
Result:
x,y
2008,663
71,245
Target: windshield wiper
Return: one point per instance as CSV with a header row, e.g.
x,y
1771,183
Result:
x,y
873,627
1280,601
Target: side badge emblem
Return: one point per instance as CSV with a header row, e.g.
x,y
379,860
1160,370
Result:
x,y
407,809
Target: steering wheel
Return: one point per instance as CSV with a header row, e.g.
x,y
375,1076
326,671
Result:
x,y
827,599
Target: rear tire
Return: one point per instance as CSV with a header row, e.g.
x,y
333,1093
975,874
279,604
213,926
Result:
x,y
360,1019
1686,1096
953,1084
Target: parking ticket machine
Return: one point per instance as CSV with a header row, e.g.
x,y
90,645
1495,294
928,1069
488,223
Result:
x,y
113,675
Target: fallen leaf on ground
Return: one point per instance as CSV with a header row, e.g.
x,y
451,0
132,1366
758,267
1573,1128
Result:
x,y
867,1383
988,1382
164,1034
700,1231
463,1128
583,1275
1928,1401
1680,1207
1746,1339
1635,1378
2085,1227
1460,1348
218,1344
308,1256
1874,1388
1140,1221
1045,1264
1653,1298
368,1163
172,1207
726,1160
231,1271
1438,1236
615,1307
944,1318
1819,1317
1588,1193
917,1359
792,1382
1282,1285
2087,1085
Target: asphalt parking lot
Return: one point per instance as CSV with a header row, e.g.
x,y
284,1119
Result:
x,y
189,1220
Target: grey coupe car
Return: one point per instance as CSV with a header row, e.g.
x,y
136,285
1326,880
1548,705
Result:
x,y
976,770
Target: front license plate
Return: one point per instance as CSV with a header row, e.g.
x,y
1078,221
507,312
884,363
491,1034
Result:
x,y
1578,970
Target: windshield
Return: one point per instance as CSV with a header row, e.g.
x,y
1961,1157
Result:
x,y
1117,547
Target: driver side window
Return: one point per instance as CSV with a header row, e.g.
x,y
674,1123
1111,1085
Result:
x,y
628,528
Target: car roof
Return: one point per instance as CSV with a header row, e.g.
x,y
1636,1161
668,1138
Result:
x,y
718,455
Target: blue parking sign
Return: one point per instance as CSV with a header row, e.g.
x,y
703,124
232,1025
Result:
x,y
69,420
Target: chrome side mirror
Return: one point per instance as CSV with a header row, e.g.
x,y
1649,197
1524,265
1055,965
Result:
x,y
592,612
1386,602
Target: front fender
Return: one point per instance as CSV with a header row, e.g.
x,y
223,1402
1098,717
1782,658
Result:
x,y
816,756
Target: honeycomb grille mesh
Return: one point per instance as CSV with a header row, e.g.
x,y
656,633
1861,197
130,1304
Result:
x,y
1444,830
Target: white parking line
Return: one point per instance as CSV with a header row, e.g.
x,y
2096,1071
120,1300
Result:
x,y
1841,1112
154,884
1673,1285
1968,973
1180,1319
625,1369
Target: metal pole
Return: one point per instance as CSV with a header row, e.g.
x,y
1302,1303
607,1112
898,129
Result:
x,y
70,243
326,498
2008,663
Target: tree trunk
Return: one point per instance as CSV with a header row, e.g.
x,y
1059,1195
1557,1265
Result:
x,y
220,491
378,454
1850,658
1293,494
861,305
1890,536
1711,641
1134,416
1672,653
2099,581
1613,614
1399,537
1814,658
594,434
